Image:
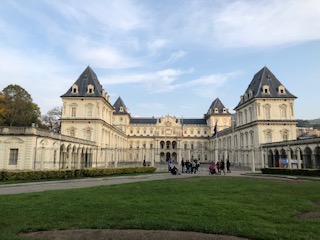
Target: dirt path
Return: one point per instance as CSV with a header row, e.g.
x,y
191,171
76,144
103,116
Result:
x,y
114,234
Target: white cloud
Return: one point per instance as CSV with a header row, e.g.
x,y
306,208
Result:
x,y
175,56
267,23
100,55
121,16
157,44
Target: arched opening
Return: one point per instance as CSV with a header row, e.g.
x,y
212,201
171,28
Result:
x,y
307,157
276,158
168,144
168,156
174,157
162,144
283,163
317,157
174,145
270,159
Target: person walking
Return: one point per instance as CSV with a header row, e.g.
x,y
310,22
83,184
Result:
x,y
228,166
222,167
218,167
182,165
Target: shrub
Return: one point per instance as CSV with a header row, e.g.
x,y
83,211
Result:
x,y
292,172
71,173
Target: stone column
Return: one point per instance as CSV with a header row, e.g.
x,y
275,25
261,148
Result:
x,y
262,158
115,158
216,155
299,158
153,157
79,158
253,163
69,157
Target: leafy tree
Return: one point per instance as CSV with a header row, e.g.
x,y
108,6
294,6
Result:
x,y
3,109
51,120
19,108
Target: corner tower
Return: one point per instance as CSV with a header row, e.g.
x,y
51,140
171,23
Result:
x,y
86,108
121,115
267,107
218,115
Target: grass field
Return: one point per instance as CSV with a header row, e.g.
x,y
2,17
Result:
x,y
244,207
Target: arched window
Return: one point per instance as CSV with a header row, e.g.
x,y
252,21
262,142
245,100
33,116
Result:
x,y
90,88
283,111
267,111
250,113
72,133
245,116
75,88
268,136
285,134
88,134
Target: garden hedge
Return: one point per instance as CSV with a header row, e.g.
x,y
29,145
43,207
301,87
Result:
x,y
71,173
292,172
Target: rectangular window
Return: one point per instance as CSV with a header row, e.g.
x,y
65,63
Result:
x,y
73,112
89,112
13,160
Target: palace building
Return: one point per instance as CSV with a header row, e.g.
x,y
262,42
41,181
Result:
x,y
97,133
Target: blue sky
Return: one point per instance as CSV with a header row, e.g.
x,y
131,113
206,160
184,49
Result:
x,y
169,57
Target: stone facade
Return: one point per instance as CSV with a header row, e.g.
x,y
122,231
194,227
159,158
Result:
x,y
104,135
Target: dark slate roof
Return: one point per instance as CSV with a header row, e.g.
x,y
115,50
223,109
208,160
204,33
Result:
x,y
87,77
217,104
118,104
264,77
143,120
198,121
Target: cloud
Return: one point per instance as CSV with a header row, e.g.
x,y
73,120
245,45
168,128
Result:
x,y
100,55
120,16
175,56
267,23
168,80
157,44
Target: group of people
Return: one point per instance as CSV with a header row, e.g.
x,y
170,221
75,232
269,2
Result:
x,y
186,167
194,165
219,167
190,167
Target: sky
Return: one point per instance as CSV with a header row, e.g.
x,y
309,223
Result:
x,y
168,57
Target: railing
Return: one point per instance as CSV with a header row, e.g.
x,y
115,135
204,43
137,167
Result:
x,y
41,133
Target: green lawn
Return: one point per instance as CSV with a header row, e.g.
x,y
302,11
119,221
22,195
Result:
x,y
245,207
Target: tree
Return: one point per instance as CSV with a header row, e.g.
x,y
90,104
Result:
x,y
3,109
20,110
51,120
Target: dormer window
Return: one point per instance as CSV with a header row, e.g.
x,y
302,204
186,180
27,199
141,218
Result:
x,y
74,88
250,93
281,90
266,89
216,110
224,110
90,88
121,109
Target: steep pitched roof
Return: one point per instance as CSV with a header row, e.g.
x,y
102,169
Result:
x,y
137,120
120,104
264,78
88,77
217,108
